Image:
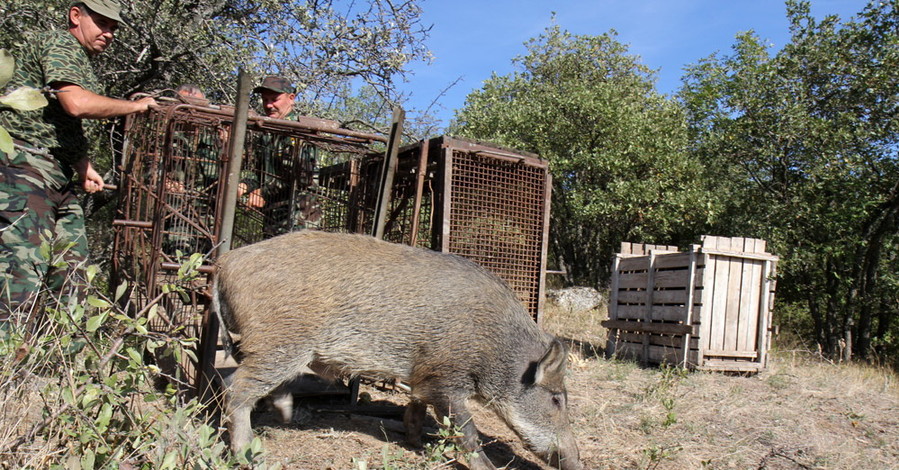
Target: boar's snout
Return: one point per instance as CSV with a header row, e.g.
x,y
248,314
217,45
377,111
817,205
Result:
x,y
565,462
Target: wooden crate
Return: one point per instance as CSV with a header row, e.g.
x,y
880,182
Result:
x,y
706,308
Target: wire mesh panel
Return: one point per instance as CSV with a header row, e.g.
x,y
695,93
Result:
x,y
172,167
497,216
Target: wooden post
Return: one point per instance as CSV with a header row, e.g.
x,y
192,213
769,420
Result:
x,y
648,299
210,333
764,312
419,189
688,310
388,170
612,341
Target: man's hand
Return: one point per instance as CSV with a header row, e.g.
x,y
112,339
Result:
x,y
91,181
254,199
145,103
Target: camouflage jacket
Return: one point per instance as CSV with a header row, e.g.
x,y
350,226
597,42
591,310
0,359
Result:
x,y
280,167
52,56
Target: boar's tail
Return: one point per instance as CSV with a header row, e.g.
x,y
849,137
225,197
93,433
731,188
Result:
x,y
220,308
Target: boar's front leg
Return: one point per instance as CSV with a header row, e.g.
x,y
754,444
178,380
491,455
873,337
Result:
x,y
461,418
413,420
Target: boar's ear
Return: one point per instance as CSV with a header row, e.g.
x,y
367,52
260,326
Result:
x,y
550,371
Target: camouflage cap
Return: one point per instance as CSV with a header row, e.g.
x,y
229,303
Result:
x,y
276,84
108,8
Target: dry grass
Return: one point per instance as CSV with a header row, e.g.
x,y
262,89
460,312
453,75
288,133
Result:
x,y
801,413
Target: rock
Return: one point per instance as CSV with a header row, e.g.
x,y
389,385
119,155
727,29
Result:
x,y
576,298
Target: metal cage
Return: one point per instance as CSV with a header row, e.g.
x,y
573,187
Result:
x,y
477,200
448,194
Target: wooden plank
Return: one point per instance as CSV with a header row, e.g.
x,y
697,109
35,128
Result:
x,y
678,278
668,297
699,279
637,263
718,306
631,297
752,309
671,341
628,312
688,306
657,354
734,294
631,280
750,354
697,310
764,335
673,260
647,313
611,341
705,305
730,366
657,328
663,355
737,254
669,313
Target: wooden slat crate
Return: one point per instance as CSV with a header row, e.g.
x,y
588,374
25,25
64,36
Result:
x,y
706,308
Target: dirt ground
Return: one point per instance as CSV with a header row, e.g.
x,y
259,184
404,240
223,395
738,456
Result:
x,y
800,413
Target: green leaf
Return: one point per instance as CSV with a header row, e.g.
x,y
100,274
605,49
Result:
x,y
24,99
169,460
7,67
93,323
97,302
135,356
120,291
87,460
91,272
6,142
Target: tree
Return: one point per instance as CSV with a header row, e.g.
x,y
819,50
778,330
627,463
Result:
x,y
324,46
805,147
617,149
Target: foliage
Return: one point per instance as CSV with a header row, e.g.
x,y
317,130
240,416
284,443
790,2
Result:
x,y
804,147
323,46
76,391
22,98
617,149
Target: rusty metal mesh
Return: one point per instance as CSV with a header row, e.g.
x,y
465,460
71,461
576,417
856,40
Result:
x,y
173,178
458,198
497,218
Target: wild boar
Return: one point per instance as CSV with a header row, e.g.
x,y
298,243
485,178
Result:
x,y
352,305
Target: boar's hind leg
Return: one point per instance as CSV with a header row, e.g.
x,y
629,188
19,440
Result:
x,y
462,419
254,378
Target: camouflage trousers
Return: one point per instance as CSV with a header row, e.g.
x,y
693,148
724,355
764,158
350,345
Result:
x,y
29,209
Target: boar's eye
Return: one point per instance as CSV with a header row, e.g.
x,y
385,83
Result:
x,y
557,400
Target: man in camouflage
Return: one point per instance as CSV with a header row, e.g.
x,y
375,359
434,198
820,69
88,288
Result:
x,y
192,176
283,185
36,192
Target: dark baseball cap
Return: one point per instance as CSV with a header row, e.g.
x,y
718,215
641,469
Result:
x,y
276,84
108,8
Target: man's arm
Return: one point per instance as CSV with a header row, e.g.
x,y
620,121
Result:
x,y
80,103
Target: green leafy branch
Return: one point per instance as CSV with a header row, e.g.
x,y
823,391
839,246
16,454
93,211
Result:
x,y
22,99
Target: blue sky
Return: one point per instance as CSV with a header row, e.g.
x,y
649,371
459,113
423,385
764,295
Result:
x,y
472,39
